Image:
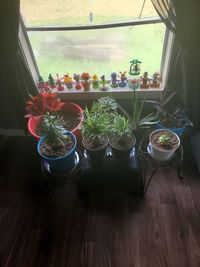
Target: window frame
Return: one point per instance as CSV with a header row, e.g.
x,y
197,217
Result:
x,y
123,93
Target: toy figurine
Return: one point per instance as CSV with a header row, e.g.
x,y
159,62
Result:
x,y
133,83
103,82
68,81
85,81
145,80
123,79
114,82
51,81
155,80
40,82
59,84
42,85
78,84
135,67
95,81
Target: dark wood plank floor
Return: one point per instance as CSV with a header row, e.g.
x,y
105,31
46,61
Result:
x,y
43,225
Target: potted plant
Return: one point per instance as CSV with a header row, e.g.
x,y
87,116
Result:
x,y
170,115
121,138
42,103
138,119
162,144
94,133
58,146
105,104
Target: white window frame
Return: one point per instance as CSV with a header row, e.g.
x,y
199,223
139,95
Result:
x,y
117,93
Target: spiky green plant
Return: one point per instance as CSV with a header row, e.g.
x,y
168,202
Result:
x,y
94,126
121,128
54,131
137,120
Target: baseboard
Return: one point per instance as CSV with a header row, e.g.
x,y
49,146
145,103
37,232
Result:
x,y
12,132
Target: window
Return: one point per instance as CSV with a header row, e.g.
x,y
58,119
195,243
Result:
x,y
93,36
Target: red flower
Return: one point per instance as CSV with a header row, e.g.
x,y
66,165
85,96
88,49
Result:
x,y
42,103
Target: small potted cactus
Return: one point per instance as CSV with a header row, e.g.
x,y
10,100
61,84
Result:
x,y
162,144
58,146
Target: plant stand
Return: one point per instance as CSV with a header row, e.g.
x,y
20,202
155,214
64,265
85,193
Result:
x,y
60,178
110,174
150,166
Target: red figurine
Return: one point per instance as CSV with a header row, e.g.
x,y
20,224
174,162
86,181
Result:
x,y
59,84
78,85
85,81
145,80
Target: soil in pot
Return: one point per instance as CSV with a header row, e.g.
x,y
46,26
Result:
x,y
120,144
96,150
53,151
121,148
98,145
70,120
156,142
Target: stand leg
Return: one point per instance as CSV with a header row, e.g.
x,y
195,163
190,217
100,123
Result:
x,y
180,163
146,184
149,180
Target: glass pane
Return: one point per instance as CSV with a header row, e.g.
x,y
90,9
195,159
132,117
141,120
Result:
x,y
79,12
98,51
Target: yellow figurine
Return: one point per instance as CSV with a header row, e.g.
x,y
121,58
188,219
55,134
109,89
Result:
x,y
68,81
95,81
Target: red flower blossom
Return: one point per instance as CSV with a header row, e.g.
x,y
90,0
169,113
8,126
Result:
x,y
43,103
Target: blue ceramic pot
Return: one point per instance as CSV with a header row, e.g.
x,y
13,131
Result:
x,y
60,164
178,131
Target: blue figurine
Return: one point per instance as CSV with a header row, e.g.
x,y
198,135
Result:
x,y
114,82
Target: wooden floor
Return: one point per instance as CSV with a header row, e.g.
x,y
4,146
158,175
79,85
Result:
x,y
44,226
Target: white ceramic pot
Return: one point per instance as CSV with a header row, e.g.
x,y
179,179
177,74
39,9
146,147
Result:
x,y
162,154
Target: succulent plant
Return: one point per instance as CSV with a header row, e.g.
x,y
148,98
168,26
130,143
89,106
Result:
x,y
95,125
105,104
165,140
121,128
54,131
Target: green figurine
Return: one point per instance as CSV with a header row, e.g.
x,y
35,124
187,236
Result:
x,y
103,82
51,80
40,82
135,67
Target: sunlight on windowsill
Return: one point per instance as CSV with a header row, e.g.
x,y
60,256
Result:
x,y
117,93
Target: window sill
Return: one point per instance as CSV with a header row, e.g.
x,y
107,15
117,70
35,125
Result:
x,y
117,93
